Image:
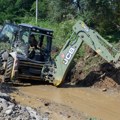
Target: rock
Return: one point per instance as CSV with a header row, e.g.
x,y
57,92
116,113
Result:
x,y
9,118
11,106
46,104
1,108
68,116
104,89
8,112
19,118
5,96
33,114
10,109
3,103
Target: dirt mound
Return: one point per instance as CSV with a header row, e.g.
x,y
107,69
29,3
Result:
x,y
106,83
93,71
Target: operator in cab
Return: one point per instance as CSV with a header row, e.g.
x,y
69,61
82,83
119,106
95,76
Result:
x,y
32,46
33,42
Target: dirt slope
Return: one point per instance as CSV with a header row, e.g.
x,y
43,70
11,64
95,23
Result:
x,y
93,71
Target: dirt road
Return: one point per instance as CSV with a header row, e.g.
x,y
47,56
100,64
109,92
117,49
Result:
x,y
59,101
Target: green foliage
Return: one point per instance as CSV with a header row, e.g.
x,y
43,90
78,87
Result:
x,y
114,38
13,10
59,12
42,9
103,15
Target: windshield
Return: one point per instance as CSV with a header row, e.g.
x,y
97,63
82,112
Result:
x,y
21,43
8,33
24,34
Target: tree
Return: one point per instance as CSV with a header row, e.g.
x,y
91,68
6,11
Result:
x,y
42,9
104,14
60,10
13,9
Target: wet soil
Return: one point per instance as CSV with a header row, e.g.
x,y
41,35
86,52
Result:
x,y
70,103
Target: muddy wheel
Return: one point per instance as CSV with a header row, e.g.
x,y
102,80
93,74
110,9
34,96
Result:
x,y
8,70
2,70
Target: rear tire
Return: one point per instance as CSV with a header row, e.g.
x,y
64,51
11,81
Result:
x,y
8,70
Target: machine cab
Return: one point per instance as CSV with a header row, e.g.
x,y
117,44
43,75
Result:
x,y
38,42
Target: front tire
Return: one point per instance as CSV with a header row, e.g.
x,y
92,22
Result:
x,y
2,69
8,70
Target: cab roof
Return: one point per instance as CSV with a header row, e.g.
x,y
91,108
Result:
x,y
37,29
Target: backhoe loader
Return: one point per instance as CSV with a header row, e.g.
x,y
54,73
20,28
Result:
x,y
25,62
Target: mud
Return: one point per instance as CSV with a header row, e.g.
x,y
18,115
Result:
x,y
70,103
47,108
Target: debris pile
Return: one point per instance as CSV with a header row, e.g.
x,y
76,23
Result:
x,y
10,110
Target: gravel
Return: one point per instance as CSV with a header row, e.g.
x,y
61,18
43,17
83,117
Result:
x,y
10,110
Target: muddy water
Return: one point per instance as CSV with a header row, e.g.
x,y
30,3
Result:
x,y
90,101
